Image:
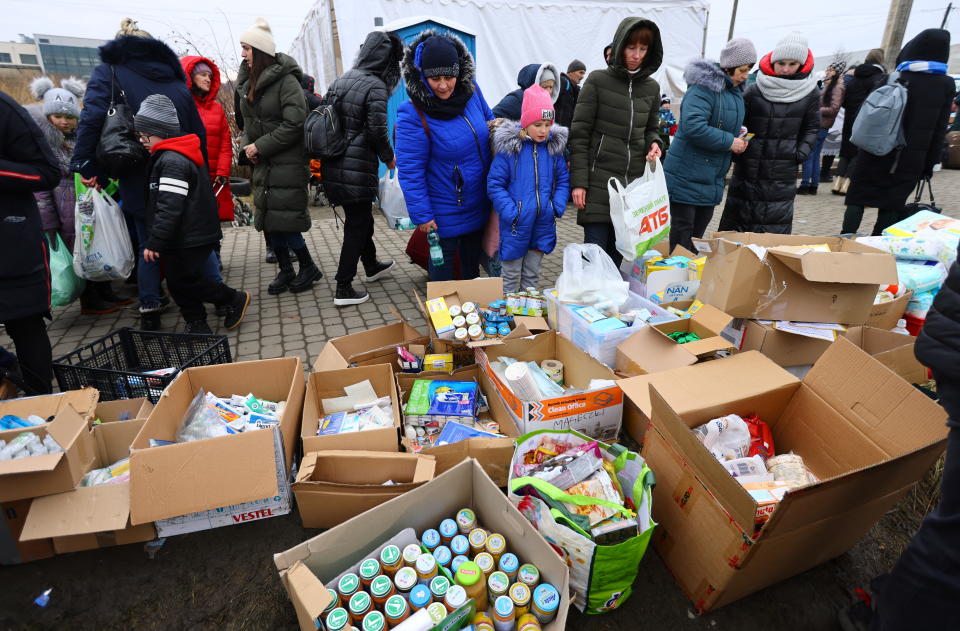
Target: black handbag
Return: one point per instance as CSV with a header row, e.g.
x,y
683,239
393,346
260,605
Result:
x,y
119,151
917,205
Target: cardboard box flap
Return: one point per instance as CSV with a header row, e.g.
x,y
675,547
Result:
x,y
533,324
306,590
32,464
876,400
65,429
363,469
329,359
479,290
84,401
712,318
651,353
426,465
87,509
840,267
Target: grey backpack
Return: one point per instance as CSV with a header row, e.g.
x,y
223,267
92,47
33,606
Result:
x,y
878,128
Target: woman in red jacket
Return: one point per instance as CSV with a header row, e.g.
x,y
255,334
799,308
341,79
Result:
x,y
203,79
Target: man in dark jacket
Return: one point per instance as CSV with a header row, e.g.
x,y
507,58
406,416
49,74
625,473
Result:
x,y
181,216
351,180
26,165
885,182
569,92
312,98
143,66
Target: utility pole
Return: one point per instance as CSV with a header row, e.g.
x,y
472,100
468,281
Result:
x,y
946,14
897,20
733,19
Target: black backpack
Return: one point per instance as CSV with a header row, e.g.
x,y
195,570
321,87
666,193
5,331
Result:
x,y
323,132
119,151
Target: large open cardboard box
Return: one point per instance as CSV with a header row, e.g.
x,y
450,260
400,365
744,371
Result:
x,y
126,409
91,517
333,486
366,348
886,314
792,282
866,433
493,454
708,323
34,476
597,413
177,480
329,384
83,401
307,567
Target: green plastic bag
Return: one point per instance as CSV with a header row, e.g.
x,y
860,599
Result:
x,y
601,576
65,285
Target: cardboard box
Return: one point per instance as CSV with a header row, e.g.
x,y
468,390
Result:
x,y
307,567
865,432
329,384
373,346
649,351
128,409
886,314
793,283
333,486
708,323
493,454
46,406
12,550
597,413
34,476
91,517
177,480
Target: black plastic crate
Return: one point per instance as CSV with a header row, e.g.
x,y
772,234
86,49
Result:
x,y
115,363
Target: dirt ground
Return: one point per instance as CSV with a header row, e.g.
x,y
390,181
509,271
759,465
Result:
x,y
225,579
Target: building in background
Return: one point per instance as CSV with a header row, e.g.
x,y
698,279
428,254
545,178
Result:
x,y
65,56
19,56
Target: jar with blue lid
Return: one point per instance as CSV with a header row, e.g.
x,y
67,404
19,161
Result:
x,y
430,539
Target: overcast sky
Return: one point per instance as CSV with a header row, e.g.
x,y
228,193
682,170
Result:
x,y
214,26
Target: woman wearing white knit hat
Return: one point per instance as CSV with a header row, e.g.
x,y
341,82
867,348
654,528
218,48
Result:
x,y
783,113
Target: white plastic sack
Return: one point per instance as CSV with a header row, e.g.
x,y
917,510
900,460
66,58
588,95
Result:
x,y
640,212
392,204
589,276
102,250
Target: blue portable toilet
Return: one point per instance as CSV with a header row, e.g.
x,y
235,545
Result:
x,y
409,29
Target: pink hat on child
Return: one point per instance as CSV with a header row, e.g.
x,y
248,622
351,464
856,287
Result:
x,y
537,105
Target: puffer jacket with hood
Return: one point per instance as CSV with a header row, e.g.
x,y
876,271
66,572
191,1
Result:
x,y
866,78
529,185
764,183
887,181
443,157
361,98
711,115
938,344
510,106
616,121
274,123
57,206
219,141
144,66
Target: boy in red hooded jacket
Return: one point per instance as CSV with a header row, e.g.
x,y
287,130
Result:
x,y
181,216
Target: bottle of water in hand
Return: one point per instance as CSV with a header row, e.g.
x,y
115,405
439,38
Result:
x,y
436,252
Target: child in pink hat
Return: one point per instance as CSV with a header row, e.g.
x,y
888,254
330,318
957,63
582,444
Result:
x,y
529,185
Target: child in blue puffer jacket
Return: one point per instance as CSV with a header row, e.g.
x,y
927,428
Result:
x,y
529,185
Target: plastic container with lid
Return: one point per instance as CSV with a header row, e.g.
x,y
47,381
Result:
x,y
460,335
456,562
545,601
486,563
497,585
374,621
347,586
459,322
459,545
420,597
478,540
454,311
443,555
369,570
528,622
448,530
490,331
476,332
496,545
520,595
337,620
466,520
509,565
438,587
391,560
396,610
469,307
430,539
529,575
455,598
360,605
473,580
503,330
410,555
427,568
504,614
473,318
437,611
381,588
405,579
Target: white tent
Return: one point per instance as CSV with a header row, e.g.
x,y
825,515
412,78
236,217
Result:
x,y
510,34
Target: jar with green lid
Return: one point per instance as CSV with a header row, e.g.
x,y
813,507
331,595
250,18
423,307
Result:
x,y
337,620
437,611
391,560
374,621
360,605
369,570
466,520
396,610
456,597
473,580
529,575
334,602
497,585
405,579
347,586
486,563
438,587
410,555
520,595
381,588
545,602
496,545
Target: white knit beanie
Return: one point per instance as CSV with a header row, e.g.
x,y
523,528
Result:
x,y
793,46
260,36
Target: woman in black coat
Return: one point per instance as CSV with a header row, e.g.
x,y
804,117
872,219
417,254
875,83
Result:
x,y
783,111
866,78
351,180
885,182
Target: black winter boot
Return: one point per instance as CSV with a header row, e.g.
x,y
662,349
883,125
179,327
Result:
x,y
308,274
285,276
92,303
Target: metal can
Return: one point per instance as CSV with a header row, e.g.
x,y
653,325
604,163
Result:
x,y
430,539
381,588
486,563
520,595
396,610
459,545
504,614
455,598
405,579
497,585
391,560
447,530
546,600
478,539
466,520
360,605
529,575
369,570
509,564
347,586
513,303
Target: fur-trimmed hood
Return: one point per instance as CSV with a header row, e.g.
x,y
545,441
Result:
x,y
380,56
415,84
707,73
149,58
61,147
506,139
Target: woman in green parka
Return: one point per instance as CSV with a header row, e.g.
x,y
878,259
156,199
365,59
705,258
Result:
x,y
615,128
273,109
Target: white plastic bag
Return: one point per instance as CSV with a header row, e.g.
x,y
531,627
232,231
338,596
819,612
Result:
x,y
640,212
102,250
392,204
589,276
727,437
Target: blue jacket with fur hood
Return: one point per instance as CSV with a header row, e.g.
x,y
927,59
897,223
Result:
x,y
529,184
711,115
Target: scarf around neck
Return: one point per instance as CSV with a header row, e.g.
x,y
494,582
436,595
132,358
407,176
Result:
x,y
442,109
928,67
788,89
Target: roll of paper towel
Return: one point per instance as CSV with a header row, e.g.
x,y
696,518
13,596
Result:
x,y
554,370
522,382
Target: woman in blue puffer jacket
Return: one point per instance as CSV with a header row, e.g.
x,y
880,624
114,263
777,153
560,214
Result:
x,y
529,184
442,149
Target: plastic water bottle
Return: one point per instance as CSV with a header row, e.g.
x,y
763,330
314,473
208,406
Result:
x,y
901,327
436,253
404,223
